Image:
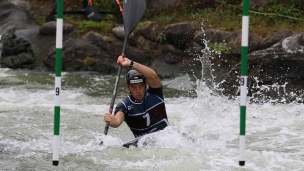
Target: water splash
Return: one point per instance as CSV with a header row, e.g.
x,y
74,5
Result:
x,y
170,137
258,92
109,140
206,84
274,93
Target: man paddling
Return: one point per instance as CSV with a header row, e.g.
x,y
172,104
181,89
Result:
x,y
144,109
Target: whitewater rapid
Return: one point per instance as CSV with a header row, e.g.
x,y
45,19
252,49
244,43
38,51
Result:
x,y
203,132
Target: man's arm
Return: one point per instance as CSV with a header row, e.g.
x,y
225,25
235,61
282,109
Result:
x,y
150,75
115,120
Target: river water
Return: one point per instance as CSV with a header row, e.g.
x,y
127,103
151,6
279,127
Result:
x,y
203,132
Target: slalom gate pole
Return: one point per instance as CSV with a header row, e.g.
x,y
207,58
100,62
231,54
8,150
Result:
x,y
57,101
243,81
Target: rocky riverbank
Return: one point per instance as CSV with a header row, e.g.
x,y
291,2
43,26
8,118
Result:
x,y
170,49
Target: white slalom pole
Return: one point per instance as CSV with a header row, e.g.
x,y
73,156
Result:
x,y
57,101
243,82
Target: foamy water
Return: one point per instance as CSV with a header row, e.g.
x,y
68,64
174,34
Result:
x,y
203,132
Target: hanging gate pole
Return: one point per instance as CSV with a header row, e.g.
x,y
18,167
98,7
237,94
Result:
x,y
57,101
243,81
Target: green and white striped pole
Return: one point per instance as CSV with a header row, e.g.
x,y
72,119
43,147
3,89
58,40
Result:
x,y
57,101
243,82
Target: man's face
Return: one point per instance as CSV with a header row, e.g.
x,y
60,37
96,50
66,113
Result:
x,y
137,90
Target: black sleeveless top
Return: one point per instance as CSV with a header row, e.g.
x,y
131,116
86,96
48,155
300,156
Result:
x,y
146,116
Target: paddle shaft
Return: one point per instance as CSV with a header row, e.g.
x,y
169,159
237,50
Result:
x,y
115,87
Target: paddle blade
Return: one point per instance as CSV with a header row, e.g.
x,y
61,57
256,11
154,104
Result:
x,y
133,10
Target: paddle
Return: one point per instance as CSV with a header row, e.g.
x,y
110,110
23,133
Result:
x,y
133,10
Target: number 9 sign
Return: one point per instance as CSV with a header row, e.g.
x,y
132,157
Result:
x,y
57,91
242,81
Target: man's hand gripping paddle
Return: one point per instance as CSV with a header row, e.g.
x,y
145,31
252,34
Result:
x,y
133,10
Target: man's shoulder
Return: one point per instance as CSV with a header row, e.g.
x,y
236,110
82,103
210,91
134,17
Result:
x,y
156,91
124,101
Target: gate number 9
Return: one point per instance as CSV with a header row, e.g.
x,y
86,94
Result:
x,y
242,81
57,91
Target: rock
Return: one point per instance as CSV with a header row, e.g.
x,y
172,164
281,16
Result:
x,y
149,46
98,40
180,35
173,61
275,73
151,30
275,38
20,61
233,39
212,36
49,28
119,32
13,45
171,58
235,42
75,56
163,69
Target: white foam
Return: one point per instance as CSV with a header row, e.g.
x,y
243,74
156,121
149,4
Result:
x,y
203,132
